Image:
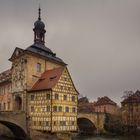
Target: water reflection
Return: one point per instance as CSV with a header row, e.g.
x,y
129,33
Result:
x,y
106,138
5,138
91,138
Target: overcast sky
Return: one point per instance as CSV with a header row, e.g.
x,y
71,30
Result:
x,y
98,39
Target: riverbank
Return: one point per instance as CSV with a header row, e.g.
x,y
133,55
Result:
x,y
79,137
39,135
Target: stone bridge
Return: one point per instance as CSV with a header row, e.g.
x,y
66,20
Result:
x,y
91,122
16,122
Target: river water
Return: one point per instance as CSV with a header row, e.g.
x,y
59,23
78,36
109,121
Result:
x,y
107,138
93,138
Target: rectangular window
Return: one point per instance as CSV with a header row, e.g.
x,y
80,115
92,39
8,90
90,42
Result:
x,y
56,97
4,106
61,87
73,98
40,123
60,109
47,123
43,109
73,123
32,97
38,67
54,123
62,123
65,97
67,109
32,109
48,96
48,109
55,108
73,110
8,105
34,123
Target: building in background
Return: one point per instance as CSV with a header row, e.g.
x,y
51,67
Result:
x,y
131,109
85,106
6,101
105,104
39,84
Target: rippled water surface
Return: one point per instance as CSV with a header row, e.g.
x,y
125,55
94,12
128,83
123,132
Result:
x,y
107,138
5,138
93,138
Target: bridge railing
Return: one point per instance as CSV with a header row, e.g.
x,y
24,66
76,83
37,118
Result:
x,y
12,112
88,112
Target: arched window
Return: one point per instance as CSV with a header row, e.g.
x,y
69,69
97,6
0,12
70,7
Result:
x,y
18,103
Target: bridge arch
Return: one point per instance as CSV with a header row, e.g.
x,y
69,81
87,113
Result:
x,y
93,118
85,125
17,130
16,122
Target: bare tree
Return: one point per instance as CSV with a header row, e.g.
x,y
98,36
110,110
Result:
x,y
129,110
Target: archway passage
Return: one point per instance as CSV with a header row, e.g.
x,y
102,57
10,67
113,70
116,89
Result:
x,y
17,131
18,103
86,126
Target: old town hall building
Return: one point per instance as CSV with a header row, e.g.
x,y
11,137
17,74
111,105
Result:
x,y
40,85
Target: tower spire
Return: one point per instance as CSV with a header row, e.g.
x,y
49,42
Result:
x,y
39,29
39,13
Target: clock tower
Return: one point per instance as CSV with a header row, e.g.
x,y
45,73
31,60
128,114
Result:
x,y
39,31
29,64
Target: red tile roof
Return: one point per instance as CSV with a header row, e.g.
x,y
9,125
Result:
x,y
104,101
48,79
132,98
83,100
5,76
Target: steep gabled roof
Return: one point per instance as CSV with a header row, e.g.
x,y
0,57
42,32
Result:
x,y
137,93
5,76
72,81
104,101
17,52
48,79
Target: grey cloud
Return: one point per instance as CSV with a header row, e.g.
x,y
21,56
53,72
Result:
x,y
98,39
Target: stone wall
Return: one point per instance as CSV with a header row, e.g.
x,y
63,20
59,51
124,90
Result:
x,y
40,135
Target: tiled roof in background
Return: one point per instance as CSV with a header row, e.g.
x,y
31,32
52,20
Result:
x,y
5,76
104,101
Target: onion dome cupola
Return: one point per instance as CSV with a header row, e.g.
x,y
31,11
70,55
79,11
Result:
x,y
39,30
38,47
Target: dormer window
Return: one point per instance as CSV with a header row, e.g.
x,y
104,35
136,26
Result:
x,y
38,67
51,78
